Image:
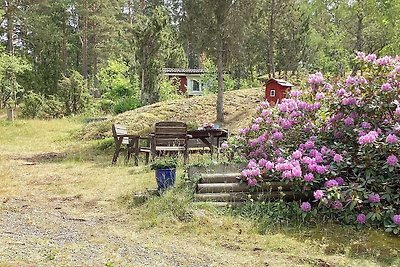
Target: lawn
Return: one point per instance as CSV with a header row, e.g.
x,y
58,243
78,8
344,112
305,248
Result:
x,y
63,204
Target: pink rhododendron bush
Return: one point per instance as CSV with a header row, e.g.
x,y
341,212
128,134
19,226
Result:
x,y
337,142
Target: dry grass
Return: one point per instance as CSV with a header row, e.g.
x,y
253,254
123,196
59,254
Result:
x,y
238,107
62,204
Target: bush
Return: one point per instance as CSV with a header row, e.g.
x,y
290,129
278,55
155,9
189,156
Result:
x,y
53,108
338,142
74,93
126,104
168,90
33,105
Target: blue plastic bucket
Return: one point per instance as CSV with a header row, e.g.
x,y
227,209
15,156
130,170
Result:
x,y
165,178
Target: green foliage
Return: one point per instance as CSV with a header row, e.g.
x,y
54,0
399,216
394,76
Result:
x,y
11,68
126,104
168,90
32,105
175,205
164,163
74,93
38,106
210,81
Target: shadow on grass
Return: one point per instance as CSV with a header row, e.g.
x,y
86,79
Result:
x,y
338,239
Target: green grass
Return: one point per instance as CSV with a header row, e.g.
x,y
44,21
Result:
x,y
43,161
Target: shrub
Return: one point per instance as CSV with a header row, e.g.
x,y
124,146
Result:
x,y
168,90
74,93
53,108
126,104
33,105
338,142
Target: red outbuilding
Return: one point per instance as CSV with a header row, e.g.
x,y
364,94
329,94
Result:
x,y
276,89
187,81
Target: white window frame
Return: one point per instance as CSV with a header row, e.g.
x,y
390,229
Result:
x,y
272,93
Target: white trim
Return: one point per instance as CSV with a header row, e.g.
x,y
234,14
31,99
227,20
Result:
x,y
272,93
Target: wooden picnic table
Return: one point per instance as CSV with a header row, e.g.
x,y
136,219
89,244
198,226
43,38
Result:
x,y
208,136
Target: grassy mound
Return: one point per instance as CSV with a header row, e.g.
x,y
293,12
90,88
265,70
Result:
x,y
238,107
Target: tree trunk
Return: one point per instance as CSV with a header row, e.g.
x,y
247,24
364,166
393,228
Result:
x,y
220,97
271,39
10,26
85,44
359,38
64,55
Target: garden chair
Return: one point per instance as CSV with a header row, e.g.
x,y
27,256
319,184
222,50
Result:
x,y
122,138
168,137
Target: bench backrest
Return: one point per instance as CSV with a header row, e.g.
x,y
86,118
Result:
x,y
170,133
118,130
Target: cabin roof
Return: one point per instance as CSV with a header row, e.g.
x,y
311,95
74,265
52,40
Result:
x,y
279,81
174,71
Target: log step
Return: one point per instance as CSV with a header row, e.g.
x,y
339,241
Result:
x,y
240,196
240,187
220,177
221,204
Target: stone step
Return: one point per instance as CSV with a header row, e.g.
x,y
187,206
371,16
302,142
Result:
x,y
240,187
240,196
220,177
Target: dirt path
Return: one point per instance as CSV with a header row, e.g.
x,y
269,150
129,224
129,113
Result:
x,y
43,223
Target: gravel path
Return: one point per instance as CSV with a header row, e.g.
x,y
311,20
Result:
x,y
40,228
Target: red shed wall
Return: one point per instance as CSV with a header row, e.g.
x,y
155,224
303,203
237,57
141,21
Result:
x,y
180,82
280,92
183,84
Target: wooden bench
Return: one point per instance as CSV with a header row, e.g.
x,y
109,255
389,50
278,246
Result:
x,y
168,137
121,137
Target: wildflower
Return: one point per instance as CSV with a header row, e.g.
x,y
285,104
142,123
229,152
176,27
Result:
x,y
397,111
337,158
318,194
366,125
319,96
224,145
297,154
392,160
339,180
258,120
371,58
392,139
368,138
348,101
316,78
252,182
295,93
386,87
349,121
309,144
341,92
262,162
396,219
321,169
277,136
296,171
252,164
269,165
328,86
255,172
331,183
255,127
309,177
337,205
305,206
361,218
384,61
374,198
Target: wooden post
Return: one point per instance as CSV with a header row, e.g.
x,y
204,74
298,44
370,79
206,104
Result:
x,y
10,114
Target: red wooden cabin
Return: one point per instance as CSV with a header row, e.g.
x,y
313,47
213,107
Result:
x,y
187,81
276,89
